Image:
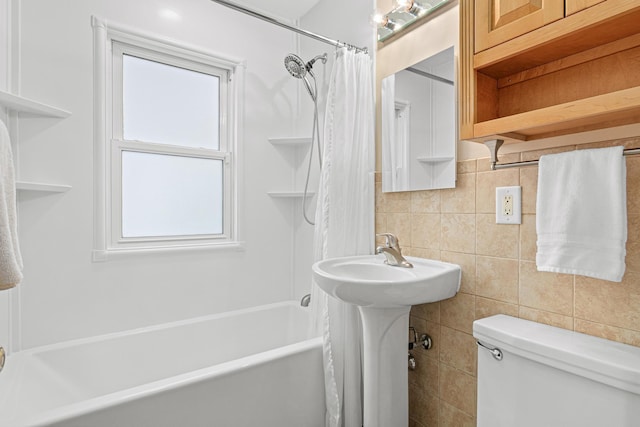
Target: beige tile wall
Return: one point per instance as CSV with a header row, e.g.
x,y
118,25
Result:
x,y
498,276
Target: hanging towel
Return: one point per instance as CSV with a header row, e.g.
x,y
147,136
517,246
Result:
x,y
10,258
581,217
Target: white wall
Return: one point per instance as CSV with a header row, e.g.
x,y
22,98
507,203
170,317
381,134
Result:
x,y
65,295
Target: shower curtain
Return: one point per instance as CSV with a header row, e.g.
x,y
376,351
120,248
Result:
x,y
344,226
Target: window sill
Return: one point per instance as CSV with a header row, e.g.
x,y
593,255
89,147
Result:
x,y
103,255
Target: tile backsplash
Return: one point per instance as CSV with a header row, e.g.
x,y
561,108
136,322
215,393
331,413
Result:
x,y
498,276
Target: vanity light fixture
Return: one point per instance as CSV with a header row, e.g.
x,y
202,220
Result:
x,y
384,21
404,14
412,7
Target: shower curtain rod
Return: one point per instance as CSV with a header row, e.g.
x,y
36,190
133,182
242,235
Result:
x,y
273,21
429,75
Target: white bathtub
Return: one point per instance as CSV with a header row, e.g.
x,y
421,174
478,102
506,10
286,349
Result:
x,y
251,367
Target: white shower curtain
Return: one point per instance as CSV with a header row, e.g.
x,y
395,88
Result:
x,y
344,226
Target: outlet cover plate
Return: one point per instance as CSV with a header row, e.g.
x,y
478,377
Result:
x,y
509,205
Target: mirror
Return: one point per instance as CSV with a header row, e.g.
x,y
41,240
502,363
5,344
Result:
x,y
419,129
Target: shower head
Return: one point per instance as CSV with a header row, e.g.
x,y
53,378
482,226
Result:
x,y
298,69
295,66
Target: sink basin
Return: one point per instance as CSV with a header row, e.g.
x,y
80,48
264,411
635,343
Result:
x,y
368,282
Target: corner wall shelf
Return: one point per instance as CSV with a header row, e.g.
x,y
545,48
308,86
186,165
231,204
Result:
x,y
291,141
42,187
435,159
289,194
29,106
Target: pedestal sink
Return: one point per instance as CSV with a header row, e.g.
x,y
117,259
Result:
x,y
384,295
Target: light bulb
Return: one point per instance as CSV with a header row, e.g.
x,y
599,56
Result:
x,y
383,21
411,7
379,19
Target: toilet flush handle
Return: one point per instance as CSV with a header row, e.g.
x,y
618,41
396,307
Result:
x,y
495,352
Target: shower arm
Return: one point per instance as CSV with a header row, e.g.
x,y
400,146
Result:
x,y
322,58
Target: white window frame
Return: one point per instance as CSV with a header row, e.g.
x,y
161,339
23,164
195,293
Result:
x,y
111,42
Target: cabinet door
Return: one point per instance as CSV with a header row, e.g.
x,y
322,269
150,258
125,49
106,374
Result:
x,y
497,21
574,6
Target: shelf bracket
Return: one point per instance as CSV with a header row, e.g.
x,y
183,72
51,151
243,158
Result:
x,y
493,146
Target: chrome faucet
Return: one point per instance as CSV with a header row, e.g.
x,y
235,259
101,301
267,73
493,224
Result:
x,y
392,251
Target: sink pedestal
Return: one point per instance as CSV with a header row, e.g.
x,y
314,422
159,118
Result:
x,y
384,295
385,338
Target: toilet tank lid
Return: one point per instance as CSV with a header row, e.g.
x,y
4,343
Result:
x,y
605,361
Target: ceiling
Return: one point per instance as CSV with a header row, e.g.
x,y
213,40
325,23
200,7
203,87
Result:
x,y
288,9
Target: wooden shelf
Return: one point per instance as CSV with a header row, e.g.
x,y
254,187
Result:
x,y
573,75
289,194
435,159
617,107
292,141
29,106
42,187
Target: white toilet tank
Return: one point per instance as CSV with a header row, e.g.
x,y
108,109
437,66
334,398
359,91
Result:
x,y
552,377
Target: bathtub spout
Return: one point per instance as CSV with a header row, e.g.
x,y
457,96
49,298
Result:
x,y
305,300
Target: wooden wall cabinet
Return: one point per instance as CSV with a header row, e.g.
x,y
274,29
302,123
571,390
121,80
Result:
x,y
576,73
500,20
573,6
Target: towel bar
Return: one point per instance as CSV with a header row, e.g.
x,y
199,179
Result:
x,y
494,145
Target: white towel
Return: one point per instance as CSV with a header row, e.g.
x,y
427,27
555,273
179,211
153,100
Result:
x,y
10,258
582,213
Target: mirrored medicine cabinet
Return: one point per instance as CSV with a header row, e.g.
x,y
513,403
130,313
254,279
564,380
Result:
x,y
419,127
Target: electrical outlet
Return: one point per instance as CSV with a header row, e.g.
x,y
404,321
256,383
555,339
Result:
x,y
509,205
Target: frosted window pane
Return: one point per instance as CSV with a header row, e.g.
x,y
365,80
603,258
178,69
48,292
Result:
x,y
169,105
165,195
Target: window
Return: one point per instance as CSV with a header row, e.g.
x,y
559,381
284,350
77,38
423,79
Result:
x,y
168,146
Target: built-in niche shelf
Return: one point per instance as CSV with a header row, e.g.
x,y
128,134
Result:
x,y
290,141
435,159
289,194
42,187
29,106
